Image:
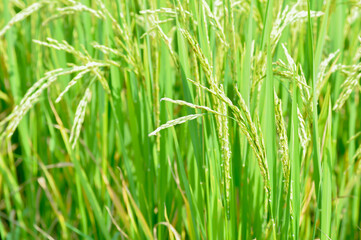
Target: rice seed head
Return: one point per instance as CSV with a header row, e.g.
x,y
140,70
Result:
x,y
287,17
79,7
83,57
174,122
214,21
348,86
283,141
226,155
79,118
23,14
32,97
254,138
191,105
72,83
207,68
303,133
322,75
353,75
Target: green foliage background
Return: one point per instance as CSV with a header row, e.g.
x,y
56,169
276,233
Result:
x,y
259,123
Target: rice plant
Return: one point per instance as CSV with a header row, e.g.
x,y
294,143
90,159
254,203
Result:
x,y
178,119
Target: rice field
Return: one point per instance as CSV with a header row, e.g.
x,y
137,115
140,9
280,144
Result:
x,y
180,119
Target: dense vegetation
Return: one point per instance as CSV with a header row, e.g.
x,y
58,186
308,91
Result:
x,y
180,119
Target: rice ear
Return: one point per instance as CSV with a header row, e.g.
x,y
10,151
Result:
x,y
23,14
31,98
79,118
174,122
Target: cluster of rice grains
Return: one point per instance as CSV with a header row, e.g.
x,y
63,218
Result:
x,y
265,86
